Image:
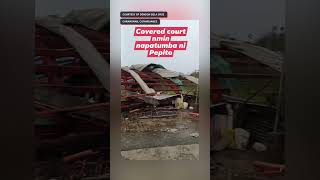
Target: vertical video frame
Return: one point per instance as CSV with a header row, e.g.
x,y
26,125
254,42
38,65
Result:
x,y
71,91
247,98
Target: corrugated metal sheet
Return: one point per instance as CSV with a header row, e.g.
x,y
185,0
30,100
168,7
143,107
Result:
x,y
139,67
261,54
192,79
142,67
82,45
165,73
139,80
164,96
95,19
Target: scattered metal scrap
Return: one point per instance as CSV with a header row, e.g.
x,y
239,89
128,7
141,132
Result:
x,y
153,83
269,169
235,63
72,62
158,112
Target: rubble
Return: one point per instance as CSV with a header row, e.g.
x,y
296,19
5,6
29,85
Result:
x,y
71,95
245,84
172,130
259,147
241,138
194,134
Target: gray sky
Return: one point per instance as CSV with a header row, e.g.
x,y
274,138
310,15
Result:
x,y
235,17
183,61
241,17
61,7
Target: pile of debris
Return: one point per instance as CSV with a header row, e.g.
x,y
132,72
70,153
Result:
x,y
247,110
71,95
157,86
152,92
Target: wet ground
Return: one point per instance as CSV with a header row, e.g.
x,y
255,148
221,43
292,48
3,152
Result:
x,y
179,152
238,165
159,132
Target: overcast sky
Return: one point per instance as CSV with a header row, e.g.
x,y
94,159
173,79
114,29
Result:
x,y
61,7
185,61
241,17
235,17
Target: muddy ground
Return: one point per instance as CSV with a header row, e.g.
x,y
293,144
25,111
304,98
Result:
x,y
238,165
159,132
